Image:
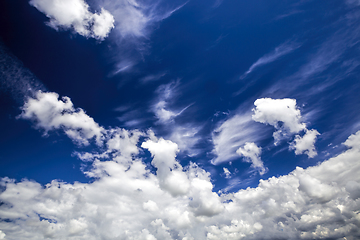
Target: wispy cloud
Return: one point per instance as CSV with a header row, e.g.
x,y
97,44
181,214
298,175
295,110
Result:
x,y
152,78
231,134
278,52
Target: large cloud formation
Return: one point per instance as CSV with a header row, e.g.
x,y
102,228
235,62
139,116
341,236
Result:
x,y
127,200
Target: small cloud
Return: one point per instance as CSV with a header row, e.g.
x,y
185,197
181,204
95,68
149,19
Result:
x,y
305,144
251,153
227,172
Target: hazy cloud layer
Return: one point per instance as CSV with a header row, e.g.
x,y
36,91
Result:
x,y
127,200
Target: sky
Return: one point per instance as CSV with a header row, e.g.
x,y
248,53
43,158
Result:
x,y
198,119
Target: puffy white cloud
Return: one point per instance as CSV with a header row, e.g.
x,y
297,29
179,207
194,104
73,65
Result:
x,y
283,114
251,153
75,14
305,144
50,113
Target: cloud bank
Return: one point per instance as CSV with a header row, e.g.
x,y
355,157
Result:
x,y
127,200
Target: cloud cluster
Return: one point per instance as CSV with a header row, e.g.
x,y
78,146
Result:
x,y
238,135
75,14
285,117
127,200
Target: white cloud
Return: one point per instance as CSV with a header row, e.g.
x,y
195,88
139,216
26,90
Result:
x,y
231,134
226,172
251,153
283,114
75,14
305,144
50,113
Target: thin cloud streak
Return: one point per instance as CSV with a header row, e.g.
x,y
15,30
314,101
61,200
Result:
x,y
278,52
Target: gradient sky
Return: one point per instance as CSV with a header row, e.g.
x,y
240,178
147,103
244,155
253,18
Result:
x,y
143,119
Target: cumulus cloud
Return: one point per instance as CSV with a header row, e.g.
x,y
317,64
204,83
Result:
x,y
251,153
50,113
305,144
285,117
127,200
283,114
75,14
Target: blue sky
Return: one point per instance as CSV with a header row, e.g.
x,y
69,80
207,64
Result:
x,y
179,120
